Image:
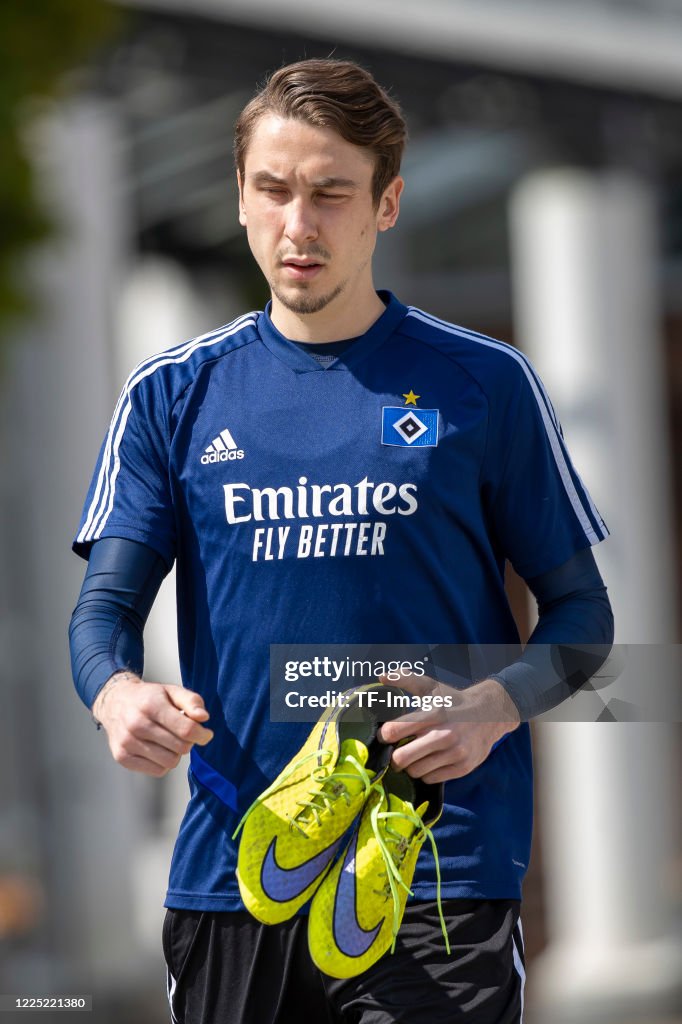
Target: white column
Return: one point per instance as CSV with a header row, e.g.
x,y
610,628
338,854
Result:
x,y
63,394
585,257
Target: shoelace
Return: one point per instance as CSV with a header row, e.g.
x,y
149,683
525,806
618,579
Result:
x,y
325,798
319,798
393,869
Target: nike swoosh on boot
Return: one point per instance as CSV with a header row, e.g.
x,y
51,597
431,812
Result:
x,y
349,935
283,884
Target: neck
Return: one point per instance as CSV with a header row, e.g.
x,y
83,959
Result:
x,y
339,320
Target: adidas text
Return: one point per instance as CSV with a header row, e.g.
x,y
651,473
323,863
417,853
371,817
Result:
x,y
224,456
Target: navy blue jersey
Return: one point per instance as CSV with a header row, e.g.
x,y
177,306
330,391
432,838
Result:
x,y
372,500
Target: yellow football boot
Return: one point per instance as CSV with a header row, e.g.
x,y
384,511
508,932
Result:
x,y
357,910
292,832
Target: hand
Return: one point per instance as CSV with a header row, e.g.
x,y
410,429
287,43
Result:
x,y
449,742
150,725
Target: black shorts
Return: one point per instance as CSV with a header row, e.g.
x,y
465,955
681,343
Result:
x,y
226,968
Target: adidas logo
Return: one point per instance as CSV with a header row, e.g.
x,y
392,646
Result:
x,y
222,449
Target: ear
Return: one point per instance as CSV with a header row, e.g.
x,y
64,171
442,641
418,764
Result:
x,y
389,205
242,211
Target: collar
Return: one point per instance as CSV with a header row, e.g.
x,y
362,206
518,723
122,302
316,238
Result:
x,y
303,362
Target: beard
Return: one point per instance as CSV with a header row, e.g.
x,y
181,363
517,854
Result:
x,y
300,301
307,304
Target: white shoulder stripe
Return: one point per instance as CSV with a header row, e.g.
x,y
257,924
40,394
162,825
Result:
x,y
501,346
103,497
548,417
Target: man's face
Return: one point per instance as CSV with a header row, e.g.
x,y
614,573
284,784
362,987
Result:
x,y
306,202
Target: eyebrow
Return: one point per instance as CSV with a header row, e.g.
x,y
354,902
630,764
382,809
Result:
x,y
335,183
265,178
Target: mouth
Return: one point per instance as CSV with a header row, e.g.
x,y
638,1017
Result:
x,y
302,269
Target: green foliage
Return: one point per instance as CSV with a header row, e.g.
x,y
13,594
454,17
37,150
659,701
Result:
x,y
40,42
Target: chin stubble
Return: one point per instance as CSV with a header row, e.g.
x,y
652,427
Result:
x,y
307,304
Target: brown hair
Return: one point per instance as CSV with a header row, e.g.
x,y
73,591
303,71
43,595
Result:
x,y
336,94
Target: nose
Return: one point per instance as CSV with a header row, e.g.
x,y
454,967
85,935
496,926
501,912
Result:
x,y
301,225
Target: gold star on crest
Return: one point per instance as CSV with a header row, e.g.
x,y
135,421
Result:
x,y
411,398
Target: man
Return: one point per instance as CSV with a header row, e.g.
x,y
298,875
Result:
x,y
337,469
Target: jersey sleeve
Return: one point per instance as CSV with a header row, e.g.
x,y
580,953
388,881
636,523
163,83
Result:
x,y
130,495
540,511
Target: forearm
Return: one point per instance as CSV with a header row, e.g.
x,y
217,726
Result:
x,y
571,641
106,630
149,725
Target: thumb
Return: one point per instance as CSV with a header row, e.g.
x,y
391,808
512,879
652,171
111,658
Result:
x,y
187,701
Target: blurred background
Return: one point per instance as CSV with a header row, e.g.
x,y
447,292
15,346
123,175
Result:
x,y
543,205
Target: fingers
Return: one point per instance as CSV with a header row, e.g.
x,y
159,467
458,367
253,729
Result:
x,y
435,758
485,706
153,709
181,715
420,685
148,747
434,744
443,774
188,701
448,751
440,703
153,732
412,724
440,766
417,722
142,764
151,725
